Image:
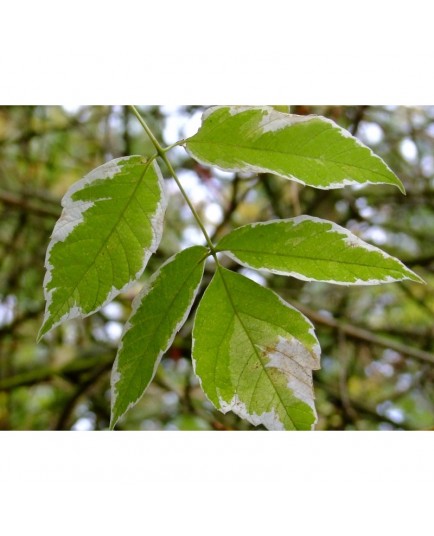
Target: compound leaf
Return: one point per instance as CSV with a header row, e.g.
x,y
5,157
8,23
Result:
x,y
254,354
159,311
111,223
310,248
309,149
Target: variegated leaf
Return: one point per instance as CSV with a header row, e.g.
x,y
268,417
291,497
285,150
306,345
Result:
x,y
111,223
254,354
310,149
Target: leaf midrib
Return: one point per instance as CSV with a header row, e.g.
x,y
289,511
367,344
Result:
x,y
316,259
288,154
157,329
109,235
254,348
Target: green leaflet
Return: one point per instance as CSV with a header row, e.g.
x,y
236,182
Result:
x,y
254,354
111,224
311,149
312,249
159,312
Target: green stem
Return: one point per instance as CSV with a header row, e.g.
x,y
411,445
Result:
x,y
195,214
162,153
147,130
177,144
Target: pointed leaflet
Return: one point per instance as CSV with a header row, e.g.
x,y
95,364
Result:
x,y
309,149
254,354
111,224
159,312
312,249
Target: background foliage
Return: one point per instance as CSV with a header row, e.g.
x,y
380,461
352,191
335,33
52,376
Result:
x,y
377,342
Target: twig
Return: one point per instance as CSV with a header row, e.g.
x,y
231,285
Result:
x,y
358,119
43,374
65,415
359,333
333,394
20,203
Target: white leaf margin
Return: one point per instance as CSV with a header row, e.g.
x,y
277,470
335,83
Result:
x,y
269,419
73,215
302,389
148,287
349,238
273,121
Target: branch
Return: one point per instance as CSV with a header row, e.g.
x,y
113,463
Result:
x,y
233,204
360,112
333,394
15,201
44,374
82,388
365,335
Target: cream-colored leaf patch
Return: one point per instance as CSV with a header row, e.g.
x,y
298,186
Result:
x,y
111,223
312,249
254,354
295,361
269,419
310,149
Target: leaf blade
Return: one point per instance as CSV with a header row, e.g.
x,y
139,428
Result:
x,y
159,311
110,225
256,357
312,249
311,150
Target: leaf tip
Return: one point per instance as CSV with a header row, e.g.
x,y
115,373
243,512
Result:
x,y
413,276
115,412
401,187
113,422
44,329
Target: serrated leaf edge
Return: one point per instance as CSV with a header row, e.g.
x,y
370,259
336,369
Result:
x,y
351,239
287,121
269,419
115,375
78,208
